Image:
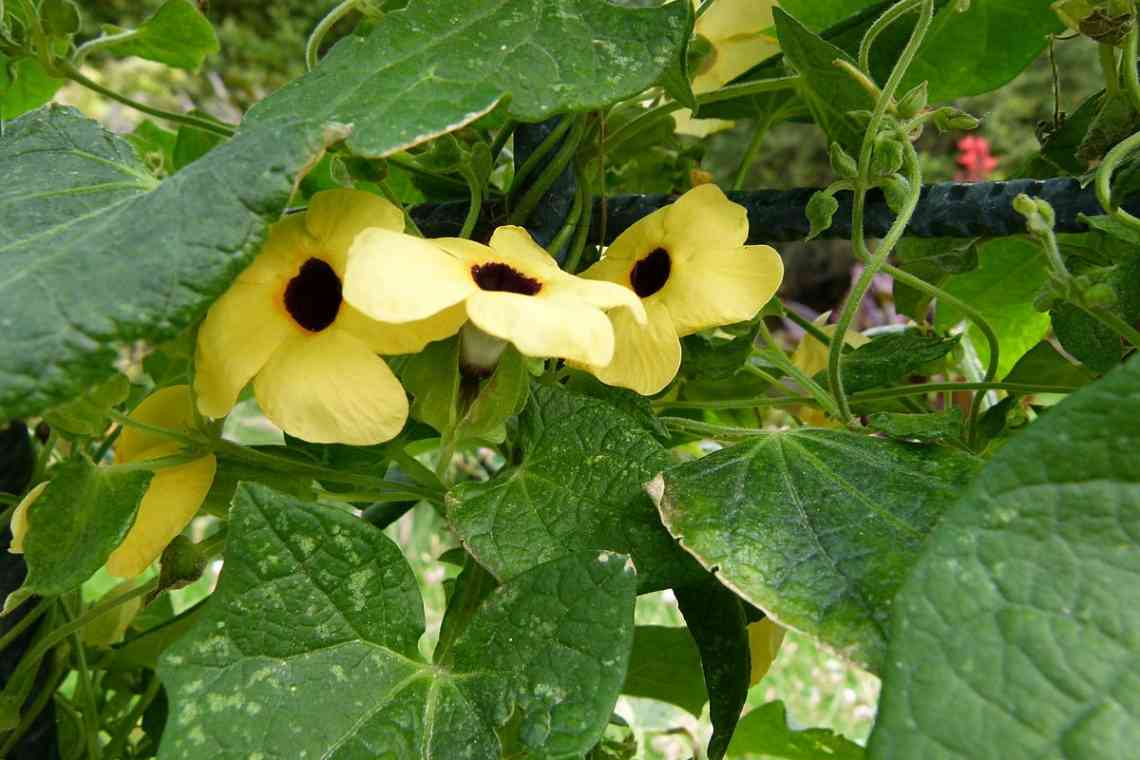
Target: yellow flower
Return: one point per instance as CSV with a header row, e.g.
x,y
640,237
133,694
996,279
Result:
x,y
764,640
811,357
173,496
739,32
689,265
312,357
512,290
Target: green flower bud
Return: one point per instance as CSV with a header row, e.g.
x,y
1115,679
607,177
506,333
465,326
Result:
x,y
897,191
1101,296
888,156
913,102
820,212
948,119
842,163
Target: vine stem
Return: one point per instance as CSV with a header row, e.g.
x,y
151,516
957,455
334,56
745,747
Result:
x,y
1109,69
872,264
475,190
751,153
71,72
719,432
819,394
313,44
1131,75
880,25
1104,179
123,732
534,194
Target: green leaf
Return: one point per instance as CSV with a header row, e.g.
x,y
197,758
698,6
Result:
x,y
633,405
821,210
829,92
193,143
665,665
1010,273
817,528
1024,611
315,602
498,398
1094,343
98,254
714,357
578,486
719,624
1046,366
675,79
820,14
155,146
933,260
87,415
587,54
82,516
60,18
24,85
982,49
890,358
926,428
177,34
765,731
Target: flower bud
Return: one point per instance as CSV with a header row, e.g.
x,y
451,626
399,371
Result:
x,y
888,156
913,102
948,119
842,163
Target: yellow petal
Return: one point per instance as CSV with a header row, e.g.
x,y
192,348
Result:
x,y
545,327
19,521
721,287
165,408
702,219
514,246
599,293
406,338
286,248
331,388
685,124
764,640
168,506
646,359
810,355
729,18
398,278
241,331
336,217
734,56
637,241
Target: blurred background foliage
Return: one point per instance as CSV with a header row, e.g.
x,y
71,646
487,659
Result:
x,y
262,48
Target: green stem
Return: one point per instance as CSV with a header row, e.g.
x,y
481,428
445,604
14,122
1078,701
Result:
x,y
29,714
582,234
543,149
570,226
719,432
394,199
1114,323
25,622
72,73
809,327
87,692
1108,67
1131,75
750,154
412,167
91,46
475,190
313,45
892,14
1104,179
819,394
501,139
537,189
863,183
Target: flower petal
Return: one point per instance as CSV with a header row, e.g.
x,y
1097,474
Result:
x,y
721,287
331,388
764,640
169,504
406,338
336,217
685,124
398,278
637,241
241,331
646,359
702,219
729,18
599,293
734,56
165,408
19,521
286,248
516,247
545,327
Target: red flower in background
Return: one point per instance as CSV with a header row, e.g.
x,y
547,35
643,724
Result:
x,y
975,159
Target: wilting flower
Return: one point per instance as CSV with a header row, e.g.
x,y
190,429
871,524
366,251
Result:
x,y
512,290
312,357
811,357
689,265
173,496
739,34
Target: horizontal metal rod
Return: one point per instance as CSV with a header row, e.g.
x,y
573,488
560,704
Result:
x,y
949,209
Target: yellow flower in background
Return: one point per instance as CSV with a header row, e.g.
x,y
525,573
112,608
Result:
x,y
173,496
764,640
689,265
312,357
512,290
811,357
740,34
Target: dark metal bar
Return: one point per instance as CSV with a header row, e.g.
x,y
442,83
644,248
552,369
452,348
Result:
x,y
950,209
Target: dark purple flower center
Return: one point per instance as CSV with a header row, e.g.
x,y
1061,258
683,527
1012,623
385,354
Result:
x,y
504,278
650,274
313,296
